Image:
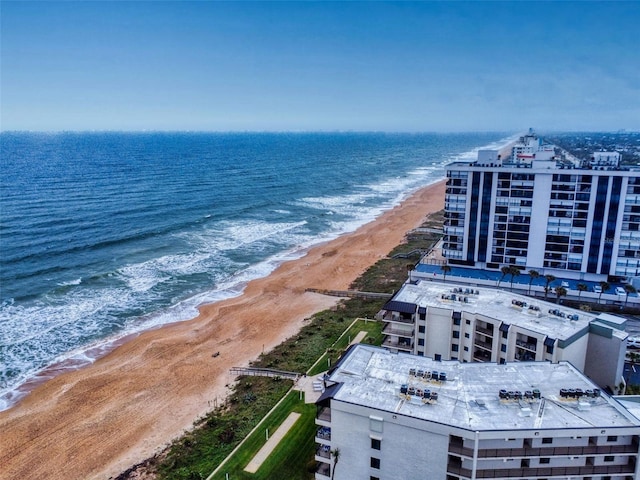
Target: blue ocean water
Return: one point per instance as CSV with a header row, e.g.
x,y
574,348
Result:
x,y
106,234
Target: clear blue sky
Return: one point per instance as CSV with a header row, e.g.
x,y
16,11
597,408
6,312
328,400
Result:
x,y
442,66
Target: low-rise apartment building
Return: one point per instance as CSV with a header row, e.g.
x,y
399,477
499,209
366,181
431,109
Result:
x,y
449,322
395,416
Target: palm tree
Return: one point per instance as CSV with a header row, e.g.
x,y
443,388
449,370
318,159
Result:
x,y
549,279
445,269
560,292
604,286
505,271
582,287
514,272
533,274
628,288
335,453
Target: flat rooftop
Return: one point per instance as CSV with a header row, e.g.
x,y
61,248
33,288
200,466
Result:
x,y
497,304
469,398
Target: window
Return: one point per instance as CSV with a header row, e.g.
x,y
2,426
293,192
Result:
x,y
374,478
421,342
466,335
375,463
505,334
437,357
547,440
456,321
456,334
544,460
375,444
609,458
421,328
612,438
468,322
503,348
454,347
466,349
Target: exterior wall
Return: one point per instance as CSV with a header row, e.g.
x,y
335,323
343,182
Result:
x,y
438,333
407,447
607,373
576,352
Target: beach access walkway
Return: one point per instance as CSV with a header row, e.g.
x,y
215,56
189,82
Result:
x,y
272,443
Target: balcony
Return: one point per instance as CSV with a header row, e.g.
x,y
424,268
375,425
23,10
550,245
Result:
x,y
526,345
481,356
324,415
323,435
483,345
403,344
389,329
323,452
323,471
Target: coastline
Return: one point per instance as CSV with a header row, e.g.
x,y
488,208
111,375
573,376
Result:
x,y
97,421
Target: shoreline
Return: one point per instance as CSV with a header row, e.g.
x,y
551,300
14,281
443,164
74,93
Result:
x,y
97,421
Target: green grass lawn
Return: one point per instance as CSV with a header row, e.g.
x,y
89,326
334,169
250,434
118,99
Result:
x,y
374,337
292,455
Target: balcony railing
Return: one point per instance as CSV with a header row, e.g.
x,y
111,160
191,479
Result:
x,y
391,317
391,342
586,470
389,330
545,451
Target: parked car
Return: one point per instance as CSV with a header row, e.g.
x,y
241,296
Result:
x,y
597,289
621,291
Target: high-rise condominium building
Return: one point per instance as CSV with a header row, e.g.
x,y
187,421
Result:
x,y
523,206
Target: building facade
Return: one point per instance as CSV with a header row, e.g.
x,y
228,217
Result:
x,y
448,322
399,416
578,219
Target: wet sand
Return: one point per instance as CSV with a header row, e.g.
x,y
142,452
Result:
x,y
98,421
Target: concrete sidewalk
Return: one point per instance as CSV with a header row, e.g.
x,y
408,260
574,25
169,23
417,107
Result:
x,y
272,443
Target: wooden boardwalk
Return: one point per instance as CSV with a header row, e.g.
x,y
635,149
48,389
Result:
x,y
264,372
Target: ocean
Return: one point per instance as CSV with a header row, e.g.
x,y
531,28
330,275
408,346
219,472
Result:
x,y
103,235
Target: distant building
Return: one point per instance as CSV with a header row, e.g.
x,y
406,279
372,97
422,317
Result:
x,y
448,322
530,209
399,416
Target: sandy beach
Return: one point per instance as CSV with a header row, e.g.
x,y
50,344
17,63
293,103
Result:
x,y
98,421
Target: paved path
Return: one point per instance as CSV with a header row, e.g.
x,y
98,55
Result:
x,y
359,337
272,443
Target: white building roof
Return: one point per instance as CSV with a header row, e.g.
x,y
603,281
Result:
x,y
469,398
497,304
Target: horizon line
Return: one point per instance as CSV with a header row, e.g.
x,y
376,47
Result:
x,y
336,131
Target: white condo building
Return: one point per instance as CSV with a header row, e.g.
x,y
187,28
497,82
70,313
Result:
x,y
521,206
398,416
449,322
